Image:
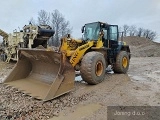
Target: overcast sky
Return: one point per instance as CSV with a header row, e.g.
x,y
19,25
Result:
x,y
142,13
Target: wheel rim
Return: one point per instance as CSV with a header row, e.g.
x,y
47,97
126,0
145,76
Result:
x,y
99,68
124,62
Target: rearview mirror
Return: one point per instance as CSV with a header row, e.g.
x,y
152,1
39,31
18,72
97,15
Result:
x,y
82,29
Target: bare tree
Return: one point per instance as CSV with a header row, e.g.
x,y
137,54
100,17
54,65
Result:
x,y
120,29
32,21
140,32
132,30
146,33
152,35
60,25
149,34
57,21
43,18
65,28
125,29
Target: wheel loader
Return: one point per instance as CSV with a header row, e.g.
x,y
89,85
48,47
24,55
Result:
x,y
46,74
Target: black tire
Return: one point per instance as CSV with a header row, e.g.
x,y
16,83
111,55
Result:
x,y
93,67
122,62
3,57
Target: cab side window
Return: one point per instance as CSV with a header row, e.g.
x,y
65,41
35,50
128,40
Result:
x,y
113,33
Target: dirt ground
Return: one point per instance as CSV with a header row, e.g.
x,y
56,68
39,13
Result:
x,y
140,87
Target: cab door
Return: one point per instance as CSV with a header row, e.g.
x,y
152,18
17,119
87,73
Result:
x,y
113,36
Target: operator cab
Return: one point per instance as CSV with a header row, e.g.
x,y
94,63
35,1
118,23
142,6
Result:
x,y
91,31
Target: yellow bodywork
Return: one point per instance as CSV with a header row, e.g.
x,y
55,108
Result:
x,y
99,43
79,52
75,49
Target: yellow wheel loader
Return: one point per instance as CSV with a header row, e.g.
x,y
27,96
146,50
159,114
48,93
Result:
x,y
46,74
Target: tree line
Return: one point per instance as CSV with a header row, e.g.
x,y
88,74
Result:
x,y
62,27
140,32
57,21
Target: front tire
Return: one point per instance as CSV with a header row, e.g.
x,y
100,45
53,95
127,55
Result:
x,y
93,67
122,62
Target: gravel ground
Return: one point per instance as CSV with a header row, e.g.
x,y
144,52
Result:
x,y
16,105
5,69
139,87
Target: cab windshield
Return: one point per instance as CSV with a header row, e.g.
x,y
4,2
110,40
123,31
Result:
x,y
91,31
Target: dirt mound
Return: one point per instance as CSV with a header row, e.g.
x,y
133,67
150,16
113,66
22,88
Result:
x,y
142,47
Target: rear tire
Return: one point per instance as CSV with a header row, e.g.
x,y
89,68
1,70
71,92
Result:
x,y
3,57
93,67
122,62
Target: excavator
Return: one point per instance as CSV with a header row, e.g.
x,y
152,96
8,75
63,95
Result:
x,y
46,74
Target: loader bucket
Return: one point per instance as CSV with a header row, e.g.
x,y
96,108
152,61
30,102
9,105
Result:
x,y
42,74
